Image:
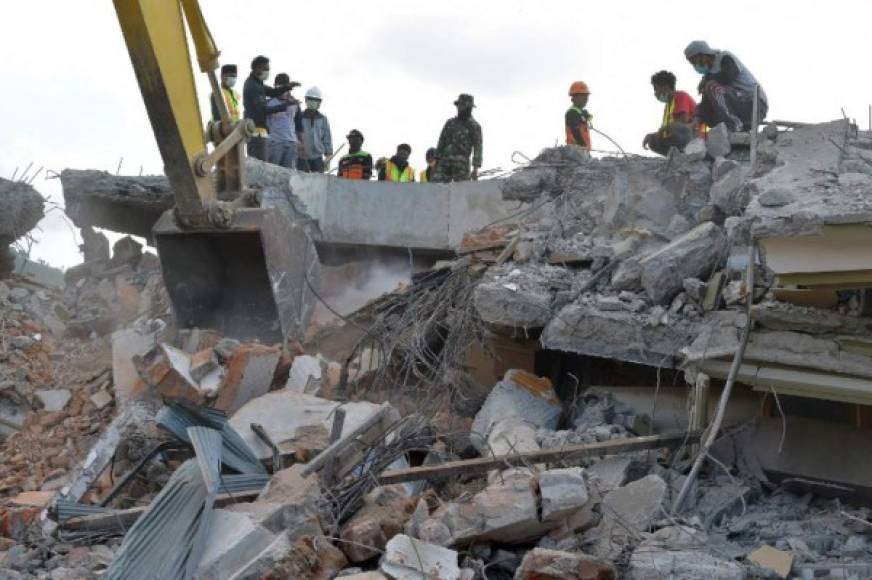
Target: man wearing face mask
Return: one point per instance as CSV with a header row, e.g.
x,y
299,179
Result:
x,y
679,109
317,139
727,88
285,127
460,138
397,168
255,95
230,96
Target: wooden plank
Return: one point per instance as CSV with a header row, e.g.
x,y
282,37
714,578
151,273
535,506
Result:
x,y
564,455
122,519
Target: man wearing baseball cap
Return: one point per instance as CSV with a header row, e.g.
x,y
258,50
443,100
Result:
x,y
357,163
727,88
460,138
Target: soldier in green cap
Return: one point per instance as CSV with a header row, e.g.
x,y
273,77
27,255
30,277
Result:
x,y
460,138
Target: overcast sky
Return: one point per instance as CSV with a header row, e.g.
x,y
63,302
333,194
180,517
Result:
x,y
393,69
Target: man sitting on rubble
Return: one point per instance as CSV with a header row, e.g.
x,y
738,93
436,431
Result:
x,y
727,88
357,164
397,168
679,109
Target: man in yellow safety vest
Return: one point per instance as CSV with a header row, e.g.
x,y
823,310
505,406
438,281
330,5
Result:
x,y
427,174
231,97
397,168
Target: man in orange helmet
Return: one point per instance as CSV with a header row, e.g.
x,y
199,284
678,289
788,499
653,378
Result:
x,y
577,117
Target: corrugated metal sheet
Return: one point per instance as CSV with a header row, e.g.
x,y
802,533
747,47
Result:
x,y
207,445
159,544
242,482
235,454
65,509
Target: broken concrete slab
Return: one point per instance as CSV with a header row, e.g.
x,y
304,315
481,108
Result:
x,y
234,539
305,375
693,255
406,558
53,399
542,564
287,416
655,563
618,335
627,511
563,492
508,304
728,194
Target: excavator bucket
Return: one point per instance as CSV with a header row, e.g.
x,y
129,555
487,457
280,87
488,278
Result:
x,y
252,281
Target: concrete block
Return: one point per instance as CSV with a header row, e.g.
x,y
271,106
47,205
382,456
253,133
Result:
x,y
696,149
727,193
234,539
54,399
563,491
101,399
717,142
542,564
128,343
249,375
264,561
519,394
775,197
383,516
406,558
692,255
305,375
655,564
772,560
203,362
505,511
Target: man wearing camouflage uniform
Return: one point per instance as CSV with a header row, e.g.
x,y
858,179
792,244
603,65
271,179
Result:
x,y
460,138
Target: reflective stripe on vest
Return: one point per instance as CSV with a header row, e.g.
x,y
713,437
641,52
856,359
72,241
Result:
x,y
393,173
422,177
668,111
353,170
585,133
231,99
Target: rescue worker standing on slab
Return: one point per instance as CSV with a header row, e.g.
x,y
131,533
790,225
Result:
x,y
460,138
285,127
357,163
317,140
577,118
254,97
676,129
397,168
727,88
426,175
231,98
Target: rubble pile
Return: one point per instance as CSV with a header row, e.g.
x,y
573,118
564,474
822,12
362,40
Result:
x,y
444,430
21,208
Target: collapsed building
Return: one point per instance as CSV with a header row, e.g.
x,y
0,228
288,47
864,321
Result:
x,y
593,368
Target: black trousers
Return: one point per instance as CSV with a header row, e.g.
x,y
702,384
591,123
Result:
x,y
258,147
678,136
728,105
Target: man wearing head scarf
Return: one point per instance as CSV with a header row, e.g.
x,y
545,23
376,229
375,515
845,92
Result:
x,y
727,88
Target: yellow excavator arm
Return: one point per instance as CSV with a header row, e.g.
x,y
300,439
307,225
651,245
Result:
x,y
154,31
234,267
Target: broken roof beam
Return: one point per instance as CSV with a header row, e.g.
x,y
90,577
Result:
x,y
125,204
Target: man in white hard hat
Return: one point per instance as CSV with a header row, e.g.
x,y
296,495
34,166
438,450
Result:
x,y
727,88
317,143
